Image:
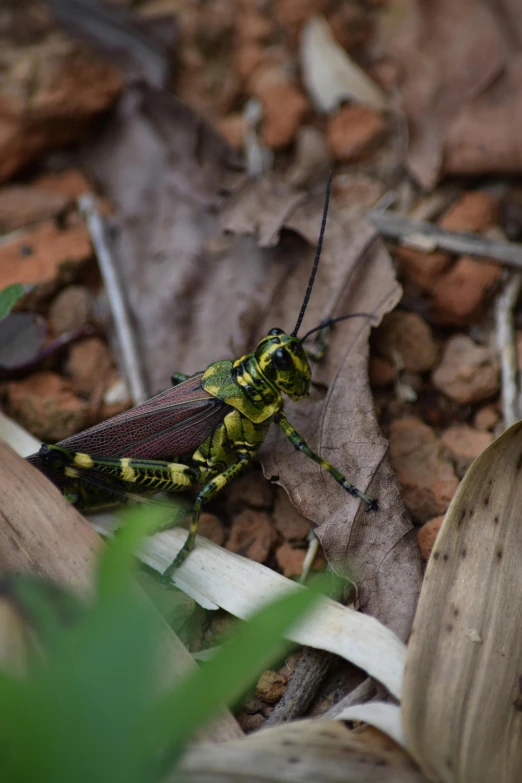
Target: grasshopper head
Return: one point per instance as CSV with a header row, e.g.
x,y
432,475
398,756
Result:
x,y
282,359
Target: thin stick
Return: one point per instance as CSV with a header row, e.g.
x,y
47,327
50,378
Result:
x,y
364,692
505,329
409,231
122,323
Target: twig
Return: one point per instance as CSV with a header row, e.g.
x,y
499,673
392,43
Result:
x,y
310,671
410,231
120,314
505,328
364,692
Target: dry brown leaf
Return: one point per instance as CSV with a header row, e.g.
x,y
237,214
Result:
x,y
356,275
323,751
448,53
462,701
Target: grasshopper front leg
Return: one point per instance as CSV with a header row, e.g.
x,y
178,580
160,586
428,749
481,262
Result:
x,y
298,442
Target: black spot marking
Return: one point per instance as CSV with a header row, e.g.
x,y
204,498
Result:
x,y
449,628
496,520
381,763
499,554
461,517
293,759
26,250
455,613
486,500
436,555
463,553
444,557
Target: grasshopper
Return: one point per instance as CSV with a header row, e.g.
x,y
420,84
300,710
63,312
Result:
x,y
204,430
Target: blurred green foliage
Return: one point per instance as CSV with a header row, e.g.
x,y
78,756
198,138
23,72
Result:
x,y
89,708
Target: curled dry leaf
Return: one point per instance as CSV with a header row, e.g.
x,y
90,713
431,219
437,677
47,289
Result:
x,y
197,296
462,697
306,750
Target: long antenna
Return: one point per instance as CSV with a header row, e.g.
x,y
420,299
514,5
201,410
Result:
x,y
317,257
331,321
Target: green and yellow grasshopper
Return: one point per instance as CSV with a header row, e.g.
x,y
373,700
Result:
x,y
205,430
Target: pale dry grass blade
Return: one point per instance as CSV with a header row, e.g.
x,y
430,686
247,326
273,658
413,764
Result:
x,y
242,586
385,717
324,751
462,702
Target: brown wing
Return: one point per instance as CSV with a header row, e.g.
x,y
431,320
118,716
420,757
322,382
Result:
x,y
168,425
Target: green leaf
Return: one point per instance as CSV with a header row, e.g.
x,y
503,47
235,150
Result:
x,y
138,523
227,676
9,296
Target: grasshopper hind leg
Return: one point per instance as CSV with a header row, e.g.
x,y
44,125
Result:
x,y
211,488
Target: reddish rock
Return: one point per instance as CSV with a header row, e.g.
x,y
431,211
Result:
x,y
284,106
44,256
247,59
72,308
288,521
351,25
252,25
270,686
381,372
423,468
468,372
459,294
46,405
473,211
486,418
252,490
21,205
290,560
211,528
69,184
421,268
49,91
427,535
463,442
408,337
233,129
252,535
292,14
89,365
354,132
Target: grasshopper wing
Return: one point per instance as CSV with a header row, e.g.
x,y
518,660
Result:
x,y
169,425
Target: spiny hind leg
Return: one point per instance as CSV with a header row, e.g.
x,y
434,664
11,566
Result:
x,y
215,485
148,474
298,442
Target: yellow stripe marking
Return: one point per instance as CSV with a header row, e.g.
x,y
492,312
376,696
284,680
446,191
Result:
x,y
83,460
127,472
177,477
71,472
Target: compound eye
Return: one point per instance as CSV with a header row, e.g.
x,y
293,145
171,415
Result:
x,y
281,359
275,332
